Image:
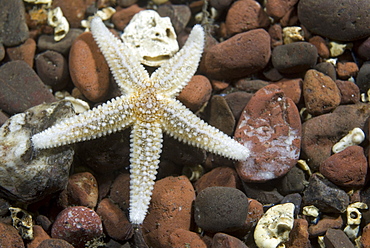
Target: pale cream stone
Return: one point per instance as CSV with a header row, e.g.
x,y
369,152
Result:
x,y
292,34
337,49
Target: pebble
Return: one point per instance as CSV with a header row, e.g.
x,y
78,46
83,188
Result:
x,y
363,78
25,52
220,209
346,70
245,15
73,10
39,235
292,88
170,209
52,68
237,102
223,240
2,51
365,238
241,55
325,195
270,127
298,236
255,212
266,193
347,168
276,34
120,191
55,243
336,238
122,17
321,46
179,237
344,20
82,190
115,222
14,30
350,93
294,198
21,88
9,237
293,182
326,222
327,68
320,133
279,8
179,15
294,57
320,92
47,42
250,86
84,57
362,49
77,225
196,93
220,176
126,3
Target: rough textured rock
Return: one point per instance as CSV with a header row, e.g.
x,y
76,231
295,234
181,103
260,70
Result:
x,y
346,70
337,238
179,237
299,237
326,222
25,52
9,237
270,127
350,93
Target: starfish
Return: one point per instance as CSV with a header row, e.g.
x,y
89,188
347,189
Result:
x,y
148,105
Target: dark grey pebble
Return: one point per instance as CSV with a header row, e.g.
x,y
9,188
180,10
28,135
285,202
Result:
x,y
363,78
47,42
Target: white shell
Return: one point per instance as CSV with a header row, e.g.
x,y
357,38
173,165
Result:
x,y
274,226
151,37
292,34
22,221
59,22
354,137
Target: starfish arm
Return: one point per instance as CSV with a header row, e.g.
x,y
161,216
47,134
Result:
x,y
146,146
110,117
173,75
125,67
182,124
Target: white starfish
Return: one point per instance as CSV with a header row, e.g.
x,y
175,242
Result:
x,y
149,106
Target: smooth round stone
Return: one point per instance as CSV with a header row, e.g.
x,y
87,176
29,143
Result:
x,y
270,127
362,49
220,209
343,20
278,8
294,57
363,78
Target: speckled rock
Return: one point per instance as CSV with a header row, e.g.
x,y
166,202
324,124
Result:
x,y
270,127
39,235
320,44
52,68
320,133
222,240
279,8
365,238
346,70
13,27
327,68
292,88
320,92
363,78
245,15
55,243
122,17
77,225
196,93
163,218
350,93
326,222
27,175
325,195
9,237
347,168
344,20
21,88
115,222
237,102
47,42
298,236
179,237
73,10
25,52
337,238
84,57
239,56
220,209
294,57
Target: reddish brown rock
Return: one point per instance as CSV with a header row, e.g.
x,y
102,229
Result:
x,y
255,212
2,52
320,92
55,243
350,93
9,237
337,238
347,168
77,225
73,10
220,176
170,209
88,68
245,15
196,93
120,191
276,34
270,127
39,235
122,17
324,224
346,70
279,8
222,240
181,237
239,56
115,222
365,238
298,237
320,44
25,52
292,88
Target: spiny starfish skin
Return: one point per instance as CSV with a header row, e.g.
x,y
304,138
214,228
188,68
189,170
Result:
x,y
149,106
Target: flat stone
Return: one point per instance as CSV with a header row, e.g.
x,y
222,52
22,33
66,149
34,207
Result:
x,y
336,238
270,127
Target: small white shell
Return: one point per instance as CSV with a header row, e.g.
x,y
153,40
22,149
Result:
x,y
311,211
22,221
337,49
354,137
79,105
292,34
59,22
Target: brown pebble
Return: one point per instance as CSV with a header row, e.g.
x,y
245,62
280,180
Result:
x,y
39,235
298,236
292,88
255,212
365,238
270,127
324,224
276,33
346,70
237,102
179,237
25,52
73,10
320,44
320,92
350,93
196,93
122,17
9,237
336,238
55,243
115,222
85,58
120,191
222,240
279,8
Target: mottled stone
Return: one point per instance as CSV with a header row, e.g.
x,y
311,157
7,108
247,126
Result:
x,y
321,46
326,222
9,237
180,237
245,15
122,17
298,236
320,92
350,93
239,56
77,225
270,127
294,57
25,52
222,240
363,78
337,238
343,20
47,42
346,70
21,88
220,209
325,195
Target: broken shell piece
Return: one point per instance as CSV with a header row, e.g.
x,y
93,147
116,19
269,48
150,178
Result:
x,y
151,37
292,34
79,105
354,137
304,166
274,226
311,211
337,49
39,1
22,221
354,217
193,172
59,22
